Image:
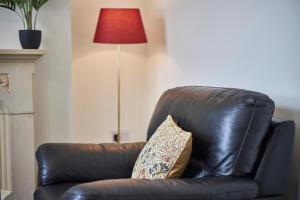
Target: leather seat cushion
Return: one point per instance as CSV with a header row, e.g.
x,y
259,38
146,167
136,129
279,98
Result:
x,y
52,192
216,188
227,126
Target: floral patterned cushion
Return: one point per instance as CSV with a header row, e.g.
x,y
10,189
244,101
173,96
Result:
x,y
166,154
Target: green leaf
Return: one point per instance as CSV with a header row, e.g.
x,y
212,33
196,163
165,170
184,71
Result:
x,y
8,4
20,3
37,4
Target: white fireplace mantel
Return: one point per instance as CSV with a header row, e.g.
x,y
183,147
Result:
x,y
16,122
21,54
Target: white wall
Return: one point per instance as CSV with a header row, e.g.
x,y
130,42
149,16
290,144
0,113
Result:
x,y
251,44
53,74
95,78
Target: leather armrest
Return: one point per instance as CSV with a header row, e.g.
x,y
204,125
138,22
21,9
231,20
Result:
x,y
63,163
216,188
274,165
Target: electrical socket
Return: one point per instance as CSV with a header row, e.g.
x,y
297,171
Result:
x,y
124,136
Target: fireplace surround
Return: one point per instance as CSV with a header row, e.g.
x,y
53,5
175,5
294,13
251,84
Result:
x,y
17,138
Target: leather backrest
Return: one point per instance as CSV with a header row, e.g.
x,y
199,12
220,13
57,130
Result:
x,y
273,166
228,126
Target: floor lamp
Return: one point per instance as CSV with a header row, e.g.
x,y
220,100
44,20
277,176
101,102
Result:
x,y
120,26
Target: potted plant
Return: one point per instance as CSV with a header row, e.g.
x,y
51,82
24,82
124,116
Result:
x,y
27,11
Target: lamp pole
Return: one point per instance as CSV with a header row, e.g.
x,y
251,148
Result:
x,y
118,137
120,26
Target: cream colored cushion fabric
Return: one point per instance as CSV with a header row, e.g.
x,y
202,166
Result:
x,y
166,154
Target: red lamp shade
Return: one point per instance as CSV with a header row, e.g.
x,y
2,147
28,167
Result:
x,y
120,26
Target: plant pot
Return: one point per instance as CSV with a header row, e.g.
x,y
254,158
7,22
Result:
x,y
30,39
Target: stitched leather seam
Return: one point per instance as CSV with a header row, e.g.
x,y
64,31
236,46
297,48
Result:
x,y
246,134
103,195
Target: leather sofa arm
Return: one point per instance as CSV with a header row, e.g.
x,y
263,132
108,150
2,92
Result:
x,y
274,165
63,163
216,188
